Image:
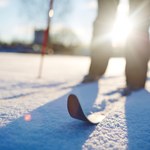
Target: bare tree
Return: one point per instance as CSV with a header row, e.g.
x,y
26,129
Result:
x,y
66,37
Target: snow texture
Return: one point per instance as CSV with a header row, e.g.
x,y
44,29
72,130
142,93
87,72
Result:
x,y
33,112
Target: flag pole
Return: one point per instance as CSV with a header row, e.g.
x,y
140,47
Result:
x,y
46,37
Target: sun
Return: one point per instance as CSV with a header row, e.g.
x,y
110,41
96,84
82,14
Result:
x,y
122,29
122,26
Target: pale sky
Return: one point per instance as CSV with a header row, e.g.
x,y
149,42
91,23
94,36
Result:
x,y
14,27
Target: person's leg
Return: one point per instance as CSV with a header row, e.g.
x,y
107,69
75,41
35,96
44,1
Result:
x,y
137,54
101,45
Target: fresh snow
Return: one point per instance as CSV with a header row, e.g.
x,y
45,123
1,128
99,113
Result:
x,y
33,112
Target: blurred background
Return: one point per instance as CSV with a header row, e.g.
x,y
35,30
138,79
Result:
x,y
23,23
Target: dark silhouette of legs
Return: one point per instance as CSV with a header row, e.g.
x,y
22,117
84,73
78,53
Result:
x,y
137,53
101,47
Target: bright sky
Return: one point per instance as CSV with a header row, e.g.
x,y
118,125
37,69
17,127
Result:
x,y
15,27
82,18
11,26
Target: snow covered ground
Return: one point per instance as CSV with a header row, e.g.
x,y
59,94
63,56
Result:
x,y
33,113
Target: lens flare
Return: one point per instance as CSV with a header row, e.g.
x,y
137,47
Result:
x,y
27,117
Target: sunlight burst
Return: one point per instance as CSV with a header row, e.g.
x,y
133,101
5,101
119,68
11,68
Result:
x,y
122,26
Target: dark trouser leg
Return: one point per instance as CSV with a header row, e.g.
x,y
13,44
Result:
x,y
101,44
137,54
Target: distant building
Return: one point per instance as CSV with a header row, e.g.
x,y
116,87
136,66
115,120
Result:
x,y
38,36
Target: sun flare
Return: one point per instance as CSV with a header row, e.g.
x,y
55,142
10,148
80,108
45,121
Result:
x,y
121,30
122,26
